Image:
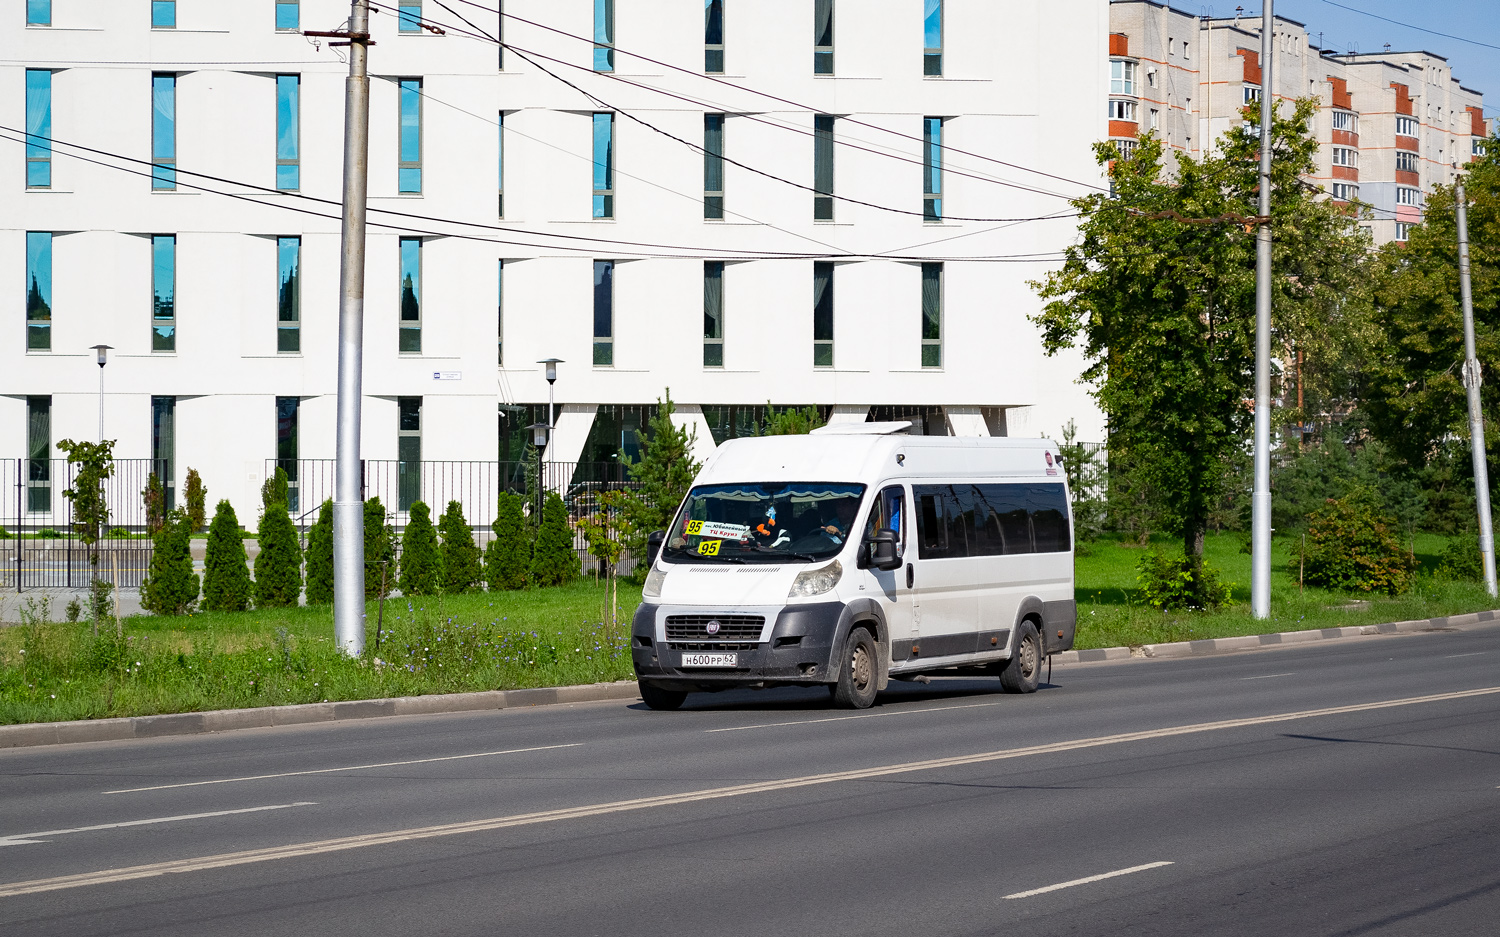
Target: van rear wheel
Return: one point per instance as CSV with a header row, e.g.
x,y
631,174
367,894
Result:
x,y
858,677
1023,671
657,698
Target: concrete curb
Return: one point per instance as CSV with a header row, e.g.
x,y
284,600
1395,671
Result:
x,y
1247,642
220,720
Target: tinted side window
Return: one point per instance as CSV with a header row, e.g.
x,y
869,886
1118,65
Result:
x,y
1007,519
932,527
1048,506
960,501
888,511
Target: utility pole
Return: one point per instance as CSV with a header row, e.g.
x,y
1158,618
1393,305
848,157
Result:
x,y
1260,530
1472,380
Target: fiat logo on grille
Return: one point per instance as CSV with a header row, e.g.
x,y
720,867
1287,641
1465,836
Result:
x,y
712,627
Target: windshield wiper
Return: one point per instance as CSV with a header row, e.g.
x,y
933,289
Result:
x,y
800,556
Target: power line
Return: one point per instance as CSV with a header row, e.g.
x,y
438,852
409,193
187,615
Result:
x,y
1420,29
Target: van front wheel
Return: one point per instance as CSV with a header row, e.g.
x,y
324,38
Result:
x,y
1023,671
858,676
657,698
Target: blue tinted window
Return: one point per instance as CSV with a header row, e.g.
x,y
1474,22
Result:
x,y
713,35
410,171
604,165
38,128
38,12
604,35
932,37
287,14
288,133
164,131
38,290
500,166
932,168
604,313
411,296
163,14
164,292
288,294
409,16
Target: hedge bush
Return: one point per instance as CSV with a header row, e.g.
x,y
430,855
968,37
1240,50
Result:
x,y
554,561
460,555
226,578
380,548
1167,583
1351,547
507,557
171,586
278,567
320,557
421,563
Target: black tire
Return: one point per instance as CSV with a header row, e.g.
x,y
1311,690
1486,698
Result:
x,y
860,674
1023,671
657,698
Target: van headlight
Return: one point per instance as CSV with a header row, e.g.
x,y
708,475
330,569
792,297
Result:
x,y
816,581
654,579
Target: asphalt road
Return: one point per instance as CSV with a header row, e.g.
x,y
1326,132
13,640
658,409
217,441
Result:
x,y
950,809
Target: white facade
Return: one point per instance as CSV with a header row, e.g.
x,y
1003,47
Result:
x,y
1009,91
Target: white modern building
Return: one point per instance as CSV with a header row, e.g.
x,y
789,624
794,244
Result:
x,y
857,235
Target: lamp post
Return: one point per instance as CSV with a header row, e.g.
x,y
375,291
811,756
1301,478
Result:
x,y
539,434
101,354
551,364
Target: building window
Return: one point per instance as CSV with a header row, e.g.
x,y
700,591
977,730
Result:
x,y
1479,147
1171,43
604,165
288,15
39,454
604,35
1121,110
822,314
1403,231
500,163
164,447
1126,148
1186,53
164,292
288,132
38,12
1155,119
713,166
1405,195
822,37
932,37
163,131
713,36
1345,192
1251,95
1345,156
1405,126
1121,77
408,452
500,314
713,314
38,291
1406,161
409,170
286,447
409,16
932,169
822,167
604,313
38,128
932,315
410,342
163,14
289,295
1349,121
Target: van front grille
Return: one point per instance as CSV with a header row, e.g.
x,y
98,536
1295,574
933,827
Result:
x,y
696,628
713,646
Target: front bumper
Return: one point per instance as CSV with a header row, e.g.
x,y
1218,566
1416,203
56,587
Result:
x,y
798,648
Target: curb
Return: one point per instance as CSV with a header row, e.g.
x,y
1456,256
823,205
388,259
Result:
x,y
1248,642
219,720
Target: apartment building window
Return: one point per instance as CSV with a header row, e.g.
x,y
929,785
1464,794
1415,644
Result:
x,y
163,131
38,12
1186,52
932,315
713,36
1345,156
932,37
1406,161
500,163
38,291
287,449
164,447
1405,126
822,314
410,339
822,37
713,314
604,313
38,128
1403,231
1345,192
163,14
932,169
1126,148
822,167
409,170
289,295
164,292
1479,147
500,314
288,15
288,132
1251,95
409,16
1121,110
604,35
39,454
1122,76
604,165
1406,195
408,452
713,166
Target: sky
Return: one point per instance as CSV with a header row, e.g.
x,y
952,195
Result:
x,y
1345,29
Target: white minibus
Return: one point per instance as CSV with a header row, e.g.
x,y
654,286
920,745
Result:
x,y
855,555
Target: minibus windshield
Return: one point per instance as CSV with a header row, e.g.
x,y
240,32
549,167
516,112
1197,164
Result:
x,y
769,522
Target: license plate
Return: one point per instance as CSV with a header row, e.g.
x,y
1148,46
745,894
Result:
x,y
710,660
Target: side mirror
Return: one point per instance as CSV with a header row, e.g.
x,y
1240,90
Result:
x,y
880,550
653,546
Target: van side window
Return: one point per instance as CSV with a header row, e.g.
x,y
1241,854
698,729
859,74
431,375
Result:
x,y
932,528
889,513
1048,506
960,501
1004,520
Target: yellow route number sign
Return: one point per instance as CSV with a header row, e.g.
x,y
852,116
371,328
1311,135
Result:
x,y
709,547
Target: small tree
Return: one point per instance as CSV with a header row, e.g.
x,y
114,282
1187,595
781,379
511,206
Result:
x,y
320,557
90,507
195,497
421,563
380,550
554,561
790,421
276,490
226,578
507,557
1351,547
278,566
460,556
171,586
664,473
154,497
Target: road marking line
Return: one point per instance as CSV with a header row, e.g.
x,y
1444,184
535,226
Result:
x,y
1085,881
18,839
1267,676
804,722
1470,654
295,850
387,764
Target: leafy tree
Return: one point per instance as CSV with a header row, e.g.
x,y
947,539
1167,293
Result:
x,y
320,557
276,490
226,577
554,560
1164,310
507,557
154,497
789,421
460,556
663,476
1352,547
278,566
1087,483
171,586
421,563
380,550
95,463
195,498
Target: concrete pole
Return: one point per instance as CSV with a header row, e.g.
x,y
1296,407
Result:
x,y
1472,380
1260,535
348,500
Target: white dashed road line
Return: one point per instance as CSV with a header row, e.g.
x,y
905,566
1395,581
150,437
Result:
x,y
1085,881
22,839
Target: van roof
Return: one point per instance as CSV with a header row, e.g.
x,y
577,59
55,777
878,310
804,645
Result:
x,y
869,458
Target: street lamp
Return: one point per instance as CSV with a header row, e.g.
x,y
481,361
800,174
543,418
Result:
x,y
551,364
101,354
539,434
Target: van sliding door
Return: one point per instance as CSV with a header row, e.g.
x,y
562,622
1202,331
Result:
x,y
946,575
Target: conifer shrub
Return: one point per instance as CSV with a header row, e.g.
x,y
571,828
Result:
x,y
154,497
226,577
1351,547
662,476
170,586
320,557
460,555
380,551
276,490
554,561
421,562
195,500
507,557
278,567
